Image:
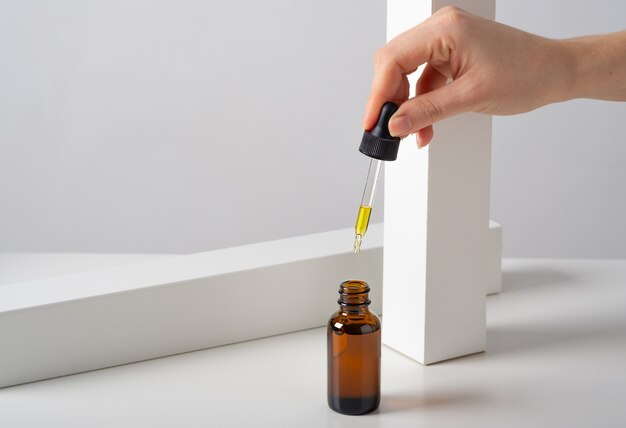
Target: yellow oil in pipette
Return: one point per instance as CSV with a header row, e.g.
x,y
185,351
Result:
x,y
360,227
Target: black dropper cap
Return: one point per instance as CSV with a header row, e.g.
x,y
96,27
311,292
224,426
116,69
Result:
x,y
378,143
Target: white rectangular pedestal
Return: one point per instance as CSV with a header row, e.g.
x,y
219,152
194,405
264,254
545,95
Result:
x,y
106,317
494,259
437,225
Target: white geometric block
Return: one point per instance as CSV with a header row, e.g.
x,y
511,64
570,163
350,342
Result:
x,y
437,225
494,259
116,315
106,317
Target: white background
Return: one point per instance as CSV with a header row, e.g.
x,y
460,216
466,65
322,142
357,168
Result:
x,y
559,173
158,126
181,126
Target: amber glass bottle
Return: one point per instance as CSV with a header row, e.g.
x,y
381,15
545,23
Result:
x,y
353,352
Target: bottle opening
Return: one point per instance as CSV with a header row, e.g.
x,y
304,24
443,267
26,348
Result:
x,y
354,293
354,286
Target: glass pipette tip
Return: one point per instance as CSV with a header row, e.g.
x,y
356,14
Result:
x,y
365,209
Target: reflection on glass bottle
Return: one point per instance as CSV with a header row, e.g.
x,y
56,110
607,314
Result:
x,y
353,352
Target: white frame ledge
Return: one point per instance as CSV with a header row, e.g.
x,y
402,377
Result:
x,y
103,318
117,315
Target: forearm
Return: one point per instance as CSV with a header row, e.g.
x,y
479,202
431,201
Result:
x,y
599,66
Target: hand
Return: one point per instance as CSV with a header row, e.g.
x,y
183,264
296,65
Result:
x,y
472,64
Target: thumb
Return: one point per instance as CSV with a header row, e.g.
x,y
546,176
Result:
x,y
430,107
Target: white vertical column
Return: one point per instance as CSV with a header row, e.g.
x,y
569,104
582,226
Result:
x,y
437,224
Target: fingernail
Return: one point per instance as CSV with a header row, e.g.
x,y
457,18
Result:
x,y
401,125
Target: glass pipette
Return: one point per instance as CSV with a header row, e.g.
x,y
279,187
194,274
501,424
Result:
x,y
379,145
367,201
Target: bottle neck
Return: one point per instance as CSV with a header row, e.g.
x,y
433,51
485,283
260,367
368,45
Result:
x,y
353,296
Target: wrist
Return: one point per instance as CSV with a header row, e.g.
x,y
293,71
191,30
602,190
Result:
x,y
598,66
580,66
569,74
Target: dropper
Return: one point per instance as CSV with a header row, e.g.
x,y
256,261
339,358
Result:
x,y
379,145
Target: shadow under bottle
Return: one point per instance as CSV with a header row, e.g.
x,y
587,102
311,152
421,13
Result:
x,y
353,352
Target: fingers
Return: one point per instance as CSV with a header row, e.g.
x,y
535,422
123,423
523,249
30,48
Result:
x,y
430,107
435,41
395,88
424,136
400,57
430,80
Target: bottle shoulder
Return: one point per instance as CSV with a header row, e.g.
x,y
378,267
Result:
x,y
361,323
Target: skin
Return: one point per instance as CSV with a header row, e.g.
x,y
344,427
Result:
x,y
474,64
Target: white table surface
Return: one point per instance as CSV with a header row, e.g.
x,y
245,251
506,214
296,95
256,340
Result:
x,y
556,356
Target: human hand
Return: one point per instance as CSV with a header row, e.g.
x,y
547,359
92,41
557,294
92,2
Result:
x,y
472,64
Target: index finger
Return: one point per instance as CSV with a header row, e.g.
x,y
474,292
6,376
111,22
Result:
x,y
393,62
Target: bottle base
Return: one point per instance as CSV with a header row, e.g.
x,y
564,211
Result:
x,y
353,405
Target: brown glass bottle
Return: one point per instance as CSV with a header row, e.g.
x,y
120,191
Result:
x,y
353,352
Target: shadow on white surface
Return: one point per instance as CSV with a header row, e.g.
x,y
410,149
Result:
x,y
572,308
519,279
430,400
522,339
